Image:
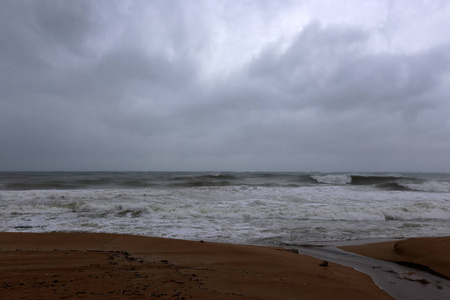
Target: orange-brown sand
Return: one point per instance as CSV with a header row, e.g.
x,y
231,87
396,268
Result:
x,y
111,266
431,253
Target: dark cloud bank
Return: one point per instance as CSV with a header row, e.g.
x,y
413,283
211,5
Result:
x,y
92,85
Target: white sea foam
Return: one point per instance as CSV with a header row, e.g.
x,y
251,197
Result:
x,y
333,178
241,214
429,186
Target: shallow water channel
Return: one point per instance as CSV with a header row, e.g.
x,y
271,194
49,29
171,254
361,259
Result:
x,y
401,282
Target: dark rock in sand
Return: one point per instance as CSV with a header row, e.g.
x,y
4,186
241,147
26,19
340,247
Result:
x,y
324,264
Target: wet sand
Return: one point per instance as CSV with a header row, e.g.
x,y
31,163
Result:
x,y
111,266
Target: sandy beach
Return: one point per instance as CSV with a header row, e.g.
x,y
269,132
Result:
x,y
111,266
114,266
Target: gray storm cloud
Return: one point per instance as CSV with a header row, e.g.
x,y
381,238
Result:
x,y
234,86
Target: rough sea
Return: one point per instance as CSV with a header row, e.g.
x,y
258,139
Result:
x,y
246,208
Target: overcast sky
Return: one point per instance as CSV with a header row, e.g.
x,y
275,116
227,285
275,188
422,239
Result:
x,y
216,85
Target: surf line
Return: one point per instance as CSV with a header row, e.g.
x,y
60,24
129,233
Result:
x,y
401,282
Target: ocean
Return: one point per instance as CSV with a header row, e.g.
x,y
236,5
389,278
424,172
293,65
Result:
x,y
247,208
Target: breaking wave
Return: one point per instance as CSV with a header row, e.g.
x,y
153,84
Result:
x,y
398,183
238,207
166,180
333,178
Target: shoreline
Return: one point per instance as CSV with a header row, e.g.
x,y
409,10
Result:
x,y
112,266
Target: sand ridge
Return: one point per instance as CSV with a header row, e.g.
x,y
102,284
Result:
x,y
432,254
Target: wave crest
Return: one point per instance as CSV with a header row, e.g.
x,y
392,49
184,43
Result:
x,y
333,178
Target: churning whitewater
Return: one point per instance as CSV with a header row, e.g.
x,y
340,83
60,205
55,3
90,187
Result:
x,y
248,208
